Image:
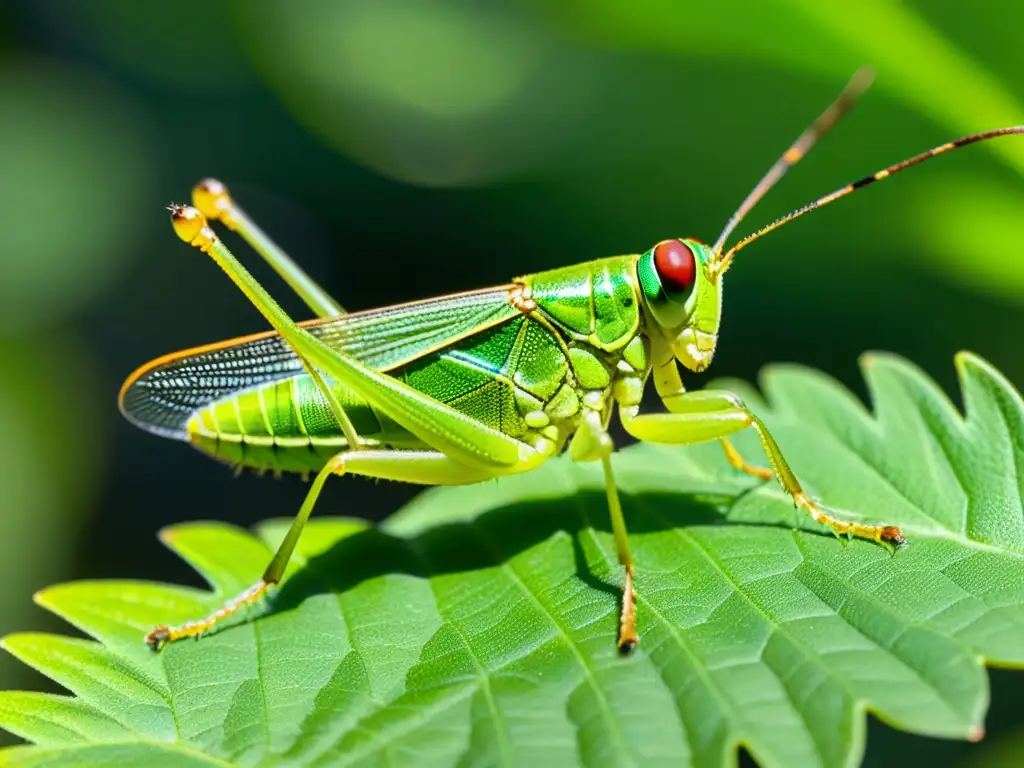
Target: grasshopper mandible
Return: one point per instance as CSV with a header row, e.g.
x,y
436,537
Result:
x,y
477,385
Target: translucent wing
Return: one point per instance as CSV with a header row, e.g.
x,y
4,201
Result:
x,y
162,395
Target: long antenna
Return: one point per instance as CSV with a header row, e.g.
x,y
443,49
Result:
x,y
826,121
726,260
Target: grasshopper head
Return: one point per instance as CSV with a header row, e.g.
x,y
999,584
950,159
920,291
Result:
x,y
682,290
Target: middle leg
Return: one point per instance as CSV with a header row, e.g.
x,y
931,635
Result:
x,y
592,443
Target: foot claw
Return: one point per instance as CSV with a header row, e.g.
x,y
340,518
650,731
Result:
x,y
893,538
893,534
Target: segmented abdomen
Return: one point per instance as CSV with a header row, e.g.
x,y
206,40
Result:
x,y
286,425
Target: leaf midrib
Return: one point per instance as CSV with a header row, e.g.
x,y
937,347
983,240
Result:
x,y
483,674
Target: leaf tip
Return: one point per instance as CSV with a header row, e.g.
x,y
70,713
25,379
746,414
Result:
x,y
44,597
976,734
17,640
966,360
54,597
971,367
168,535
873,358
171,535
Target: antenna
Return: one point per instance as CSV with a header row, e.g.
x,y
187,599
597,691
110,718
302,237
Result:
x,y
826,121
726,260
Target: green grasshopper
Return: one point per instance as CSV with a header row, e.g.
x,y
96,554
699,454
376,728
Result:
x,y
477,385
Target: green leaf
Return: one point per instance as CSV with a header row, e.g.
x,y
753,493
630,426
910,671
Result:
x,y
478,625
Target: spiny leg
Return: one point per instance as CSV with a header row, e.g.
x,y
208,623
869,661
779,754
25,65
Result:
x,y
740,463
706,415
421,467
215,202
592,443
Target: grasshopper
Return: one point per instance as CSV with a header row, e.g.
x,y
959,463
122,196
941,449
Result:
x,y
477,385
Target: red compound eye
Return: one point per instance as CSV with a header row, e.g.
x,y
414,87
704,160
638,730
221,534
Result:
x,y
676,265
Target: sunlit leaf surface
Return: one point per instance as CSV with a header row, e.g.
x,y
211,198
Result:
x,y
478,625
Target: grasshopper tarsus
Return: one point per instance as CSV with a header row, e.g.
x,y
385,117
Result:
x,y
894,535
158,638
893,539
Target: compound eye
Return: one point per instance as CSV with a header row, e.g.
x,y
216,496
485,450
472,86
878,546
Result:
x,y
676,266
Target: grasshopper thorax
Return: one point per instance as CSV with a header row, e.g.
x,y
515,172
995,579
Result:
x,y
681,290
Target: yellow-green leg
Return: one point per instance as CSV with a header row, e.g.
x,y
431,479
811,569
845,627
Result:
x,y
442,428
708,415
740,463
214,201
592,443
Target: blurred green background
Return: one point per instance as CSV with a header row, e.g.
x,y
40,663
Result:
x,y
406,148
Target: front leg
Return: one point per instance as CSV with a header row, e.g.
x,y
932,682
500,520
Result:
x,y
708,415
671,391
